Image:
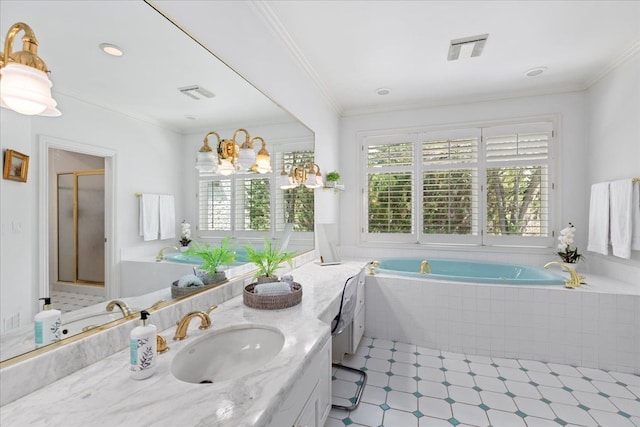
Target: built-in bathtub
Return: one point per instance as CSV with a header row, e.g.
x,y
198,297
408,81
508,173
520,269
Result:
x,y
470,271
595,325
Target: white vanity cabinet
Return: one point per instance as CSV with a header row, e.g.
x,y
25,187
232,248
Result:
x,y
309,401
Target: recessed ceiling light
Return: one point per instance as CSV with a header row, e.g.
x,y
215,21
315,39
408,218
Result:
x,y
111,49
191,117
383,91
535,71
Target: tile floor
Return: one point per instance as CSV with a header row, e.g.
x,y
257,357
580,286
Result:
x,y
69,301
412,386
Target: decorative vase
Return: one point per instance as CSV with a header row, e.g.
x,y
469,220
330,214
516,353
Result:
x,y
331,184
184,248
266,279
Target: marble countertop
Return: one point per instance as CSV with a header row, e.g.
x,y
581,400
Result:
x,y
103,393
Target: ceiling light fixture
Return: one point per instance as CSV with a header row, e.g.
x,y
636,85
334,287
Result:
x,y
231,157
383,91
24,84
536,71
111,49
478,43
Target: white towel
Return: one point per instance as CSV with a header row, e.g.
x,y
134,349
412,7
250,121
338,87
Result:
x,y
635,221
167,217
149,216
621,213
599,219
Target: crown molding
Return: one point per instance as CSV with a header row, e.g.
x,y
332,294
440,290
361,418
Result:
x,y
271,18
618,61
462,100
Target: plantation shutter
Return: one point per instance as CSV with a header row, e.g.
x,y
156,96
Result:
x,y
214,199
390,188
252,211
518,184
450,186
295,205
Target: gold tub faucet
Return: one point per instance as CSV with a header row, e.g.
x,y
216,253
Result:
x,y
575,279
126,311
423,265
183,324
372,267
160,255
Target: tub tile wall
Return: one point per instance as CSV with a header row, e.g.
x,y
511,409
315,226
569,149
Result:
x,y
578,327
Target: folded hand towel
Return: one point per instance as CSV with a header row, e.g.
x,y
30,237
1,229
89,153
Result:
x,y
635,221
599,219
149,216
273,288
621,217
167,217
189,281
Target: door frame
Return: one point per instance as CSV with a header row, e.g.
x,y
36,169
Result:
x,y
111,279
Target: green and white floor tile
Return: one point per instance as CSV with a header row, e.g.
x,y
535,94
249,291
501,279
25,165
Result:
x,y
412,386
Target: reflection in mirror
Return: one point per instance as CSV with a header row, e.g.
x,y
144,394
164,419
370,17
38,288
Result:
x,y
132,109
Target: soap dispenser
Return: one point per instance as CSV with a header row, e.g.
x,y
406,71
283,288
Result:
x,y
47,324
143,348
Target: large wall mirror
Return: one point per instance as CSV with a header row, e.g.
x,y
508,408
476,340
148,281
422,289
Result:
x,y
142,86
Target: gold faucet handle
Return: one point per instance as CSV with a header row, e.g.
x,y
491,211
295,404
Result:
x,y
161,344
210,309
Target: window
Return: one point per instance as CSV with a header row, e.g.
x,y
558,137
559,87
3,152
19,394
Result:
x,y
251,204
481,186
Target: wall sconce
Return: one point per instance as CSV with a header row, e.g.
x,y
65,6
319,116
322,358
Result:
x,y
231,157
24,84
310,178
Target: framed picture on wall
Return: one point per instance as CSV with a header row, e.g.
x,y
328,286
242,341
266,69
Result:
x,y
16,166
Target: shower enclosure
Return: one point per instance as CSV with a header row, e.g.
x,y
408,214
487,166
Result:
x,y
81,227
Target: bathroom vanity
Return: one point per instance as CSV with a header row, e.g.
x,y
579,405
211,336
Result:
x,y
291,389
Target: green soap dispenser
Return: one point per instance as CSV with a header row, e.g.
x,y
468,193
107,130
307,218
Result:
x,y
47,324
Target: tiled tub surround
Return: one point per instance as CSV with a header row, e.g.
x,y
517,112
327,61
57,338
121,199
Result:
x,y
413,386
595,325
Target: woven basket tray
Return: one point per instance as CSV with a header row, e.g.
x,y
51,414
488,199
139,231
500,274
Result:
x,y
272,302
177,292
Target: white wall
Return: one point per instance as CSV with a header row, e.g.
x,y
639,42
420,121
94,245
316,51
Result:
x,y
614,144
570,182
239,36
148,159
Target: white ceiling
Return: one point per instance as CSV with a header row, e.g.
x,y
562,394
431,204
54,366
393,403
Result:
x,y
158,58
351,48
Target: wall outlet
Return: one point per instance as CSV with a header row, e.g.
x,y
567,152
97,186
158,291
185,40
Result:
x,y
11,322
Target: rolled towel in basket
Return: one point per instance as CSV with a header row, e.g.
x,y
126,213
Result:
x,y
189,281
272,288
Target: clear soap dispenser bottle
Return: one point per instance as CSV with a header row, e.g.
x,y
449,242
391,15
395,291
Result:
x,y
47,324
143,348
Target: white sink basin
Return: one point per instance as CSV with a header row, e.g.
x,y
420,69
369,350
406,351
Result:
x,y
226,354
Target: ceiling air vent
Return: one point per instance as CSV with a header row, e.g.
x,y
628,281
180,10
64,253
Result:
x,y
473,43
196,92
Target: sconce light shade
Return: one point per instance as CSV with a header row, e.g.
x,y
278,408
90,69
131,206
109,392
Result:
x,y
226,167
246,158
263,159
206,161
24,84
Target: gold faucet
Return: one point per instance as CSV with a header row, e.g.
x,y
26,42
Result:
x,y
210,309
372,267
126,311
157,303
160,255
183,324
424,264
575,279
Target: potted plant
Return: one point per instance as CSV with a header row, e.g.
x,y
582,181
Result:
x,y
268,260
185,236
332,178
568,253
213,258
